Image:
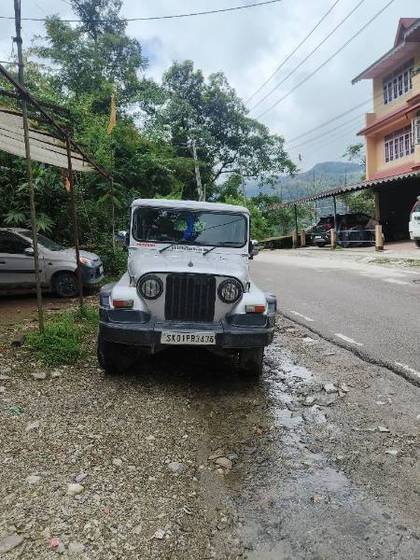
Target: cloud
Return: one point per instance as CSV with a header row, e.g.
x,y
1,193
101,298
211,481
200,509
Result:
x,y
248,45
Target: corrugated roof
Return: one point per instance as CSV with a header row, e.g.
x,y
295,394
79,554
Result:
x,y
353,188
45,148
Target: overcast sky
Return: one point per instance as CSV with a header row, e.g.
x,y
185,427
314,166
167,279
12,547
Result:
x,y
248,45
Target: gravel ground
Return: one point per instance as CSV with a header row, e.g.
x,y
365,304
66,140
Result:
x,y
186,460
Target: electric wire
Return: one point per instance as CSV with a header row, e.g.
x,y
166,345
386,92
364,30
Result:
x,y
325,133
335,53
172,16
313,51
294,51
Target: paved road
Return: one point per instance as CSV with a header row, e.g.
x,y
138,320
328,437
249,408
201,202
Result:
x,y
374,309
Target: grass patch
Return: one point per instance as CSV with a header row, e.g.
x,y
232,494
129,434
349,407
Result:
x,y
63,339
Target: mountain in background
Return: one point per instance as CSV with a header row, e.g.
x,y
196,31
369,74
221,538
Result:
x,y
322,177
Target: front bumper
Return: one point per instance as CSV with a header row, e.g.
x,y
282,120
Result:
x,y
92,275
134,328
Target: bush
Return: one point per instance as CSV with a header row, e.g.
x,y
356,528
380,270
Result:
x,y
62,339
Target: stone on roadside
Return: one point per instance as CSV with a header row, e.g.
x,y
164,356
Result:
x,y
383,429
74,489
159,534
344,387
32,426
75,548
80,477
10,542
33,479
309,400
393,452
216,454
117,462
5,371
176,468
330,388
4,377
2,389
224,463
39,375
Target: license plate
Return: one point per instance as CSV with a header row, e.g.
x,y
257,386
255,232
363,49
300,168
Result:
x,y
188,338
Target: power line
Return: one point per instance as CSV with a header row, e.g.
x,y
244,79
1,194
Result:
x,y
336,118
329,121
326,132
334,138
296,68
328,59
172,16
289,56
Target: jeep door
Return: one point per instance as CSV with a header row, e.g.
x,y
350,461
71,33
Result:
x,y
17,269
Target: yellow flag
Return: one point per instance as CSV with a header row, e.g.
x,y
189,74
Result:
x,y
113,116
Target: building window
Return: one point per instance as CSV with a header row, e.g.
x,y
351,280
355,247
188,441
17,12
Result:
x,y
399,83
399,144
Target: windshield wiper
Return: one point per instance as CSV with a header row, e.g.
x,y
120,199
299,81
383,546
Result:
x,y
172,245
207,251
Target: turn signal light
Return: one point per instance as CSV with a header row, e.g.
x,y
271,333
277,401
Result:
x,y
122,303
255,308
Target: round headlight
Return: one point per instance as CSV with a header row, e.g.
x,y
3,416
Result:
x,y
150,286
230,290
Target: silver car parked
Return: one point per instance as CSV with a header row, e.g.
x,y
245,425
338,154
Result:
x,y
57,264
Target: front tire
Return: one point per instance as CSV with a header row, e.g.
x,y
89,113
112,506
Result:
x,y
251,361
65,284
114,358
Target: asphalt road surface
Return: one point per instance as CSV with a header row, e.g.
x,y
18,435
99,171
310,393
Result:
x,y
373,309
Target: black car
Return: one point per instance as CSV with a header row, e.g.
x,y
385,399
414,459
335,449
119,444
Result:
x,y
357,229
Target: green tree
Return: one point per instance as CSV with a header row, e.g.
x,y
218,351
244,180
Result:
x,y
228,140
94,57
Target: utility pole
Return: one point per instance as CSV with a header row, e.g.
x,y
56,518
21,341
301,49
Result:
x,y
201,191
75,221
21,78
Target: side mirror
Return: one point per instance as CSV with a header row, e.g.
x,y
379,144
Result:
x,y
29,251
253,248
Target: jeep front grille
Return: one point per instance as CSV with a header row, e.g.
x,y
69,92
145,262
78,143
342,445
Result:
x,y
190,297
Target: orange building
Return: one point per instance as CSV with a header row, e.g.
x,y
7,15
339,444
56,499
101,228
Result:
x,y
392,131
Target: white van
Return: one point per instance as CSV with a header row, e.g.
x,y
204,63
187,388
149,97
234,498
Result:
x,y
414,224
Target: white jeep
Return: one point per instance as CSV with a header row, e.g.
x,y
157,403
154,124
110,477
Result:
x,y
187,284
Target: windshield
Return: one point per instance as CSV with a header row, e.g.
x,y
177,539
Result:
x,y
163,225
45,242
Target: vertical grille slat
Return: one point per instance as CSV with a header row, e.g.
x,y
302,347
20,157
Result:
x,y
190,297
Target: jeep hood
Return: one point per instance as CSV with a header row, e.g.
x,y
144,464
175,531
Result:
x,y
220,264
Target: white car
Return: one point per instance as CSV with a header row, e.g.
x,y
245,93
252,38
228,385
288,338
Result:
x,y
57,264
414,224
187,284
